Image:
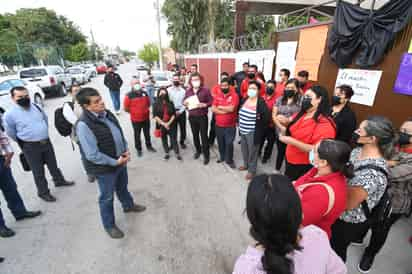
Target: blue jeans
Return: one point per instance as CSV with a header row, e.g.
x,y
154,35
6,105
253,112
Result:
x,y
150,91
115,95
108,184
9,188
225,138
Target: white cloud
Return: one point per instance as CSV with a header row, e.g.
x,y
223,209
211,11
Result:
x,y
126,23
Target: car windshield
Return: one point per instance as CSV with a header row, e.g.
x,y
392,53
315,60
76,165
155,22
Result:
x,y
31,73
160,77
74,71
17,83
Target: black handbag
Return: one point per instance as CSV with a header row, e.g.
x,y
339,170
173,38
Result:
x,y
24,163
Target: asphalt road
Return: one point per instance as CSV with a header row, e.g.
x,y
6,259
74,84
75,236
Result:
x,y
193,224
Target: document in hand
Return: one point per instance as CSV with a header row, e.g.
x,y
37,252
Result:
x,y
193,102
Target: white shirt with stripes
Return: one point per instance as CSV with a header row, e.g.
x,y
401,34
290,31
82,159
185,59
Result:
x,y
247,120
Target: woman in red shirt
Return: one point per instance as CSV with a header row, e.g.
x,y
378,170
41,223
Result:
x,y
164,114
323,189
306,129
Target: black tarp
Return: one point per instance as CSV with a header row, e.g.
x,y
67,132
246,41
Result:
x,y
366,34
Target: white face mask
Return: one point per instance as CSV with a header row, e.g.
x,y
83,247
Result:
x,y
252,93
312,158
137,87
196,84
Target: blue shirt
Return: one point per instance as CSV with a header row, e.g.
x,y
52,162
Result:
x,y
89,146
177,95
29,124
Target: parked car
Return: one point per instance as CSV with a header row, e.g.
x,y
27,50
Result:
x,y
142,67
8,82
91,71
101,68
51,79
162,79
78,75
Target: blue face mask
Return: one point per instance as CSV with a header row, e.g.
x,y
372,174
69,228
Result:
x,y
251,92
312,157
137,87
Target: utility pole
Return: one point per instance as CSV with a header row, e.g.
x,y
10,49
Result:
x,y
160,35
93,44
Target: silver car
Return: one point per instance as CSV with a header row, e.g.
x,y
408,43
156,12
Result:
x,y
77,74
90,71
51,79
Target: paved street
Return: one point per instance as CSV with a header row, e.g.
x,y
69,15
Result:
x,y
194,222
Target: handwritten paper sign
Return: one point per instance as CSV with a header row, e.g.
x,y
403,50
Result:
x,y
285,57
403,84
364,83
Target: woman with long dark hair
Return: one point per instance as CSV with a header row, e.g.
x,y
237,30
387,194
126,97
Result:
x,y
323,189
306,129
284,108
376,137
164,114
275,214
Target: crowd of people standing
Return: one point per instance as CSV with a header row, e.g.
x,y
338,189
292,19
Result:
x,y
335,173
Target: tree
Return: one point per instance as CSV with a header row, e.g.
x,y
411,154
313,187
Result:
x,y
149,54
78,52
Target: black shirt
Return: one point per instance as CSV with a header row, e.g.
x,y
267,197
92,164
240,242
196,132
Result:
x,y
345,124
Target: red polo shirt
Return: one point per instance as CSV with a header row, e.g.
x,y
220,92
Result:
x,y
270,102
230,99
279,90
309,132
315,199
245,86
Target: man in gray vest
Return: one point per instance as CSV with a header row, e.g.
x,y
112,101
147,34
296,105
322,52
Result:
x,y
105,151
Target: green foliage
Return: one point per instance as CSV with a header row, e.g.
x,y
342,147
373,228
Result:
x,y
149,54
78,52
95,53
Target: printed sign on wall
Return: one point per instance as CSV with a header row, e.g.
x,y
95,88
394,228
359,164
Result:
x,y
364,83
285,57
403,84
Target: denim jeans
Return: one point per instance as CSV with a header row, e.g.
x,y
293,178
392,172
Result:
x,y
108,184
225,138
150,91
9,188
115,95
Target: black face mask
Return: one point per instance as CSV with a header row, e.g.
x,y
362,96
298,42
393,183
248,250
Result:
x,y
270,91
335,100
289,93
251,75
24,102
225,90
404,139
355,137
176,83
306,103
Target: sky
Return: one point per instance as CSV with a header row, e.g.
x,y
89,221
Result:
x,y
125,23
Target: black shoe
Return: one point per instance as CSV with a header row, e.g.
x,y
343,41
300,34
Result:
x,y
365,263
1,259
197,155
115,232
183,146
135,208
47,197
179,157
232,165
206,161
151,149
64,183
219,161
91,178
264,161
6,232
139,153
167,157
28,215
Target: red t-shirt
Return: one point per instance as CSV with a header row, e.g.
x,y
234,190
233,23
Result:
x,y
307,86
279,90
245,86
138,105
215,90
166,116
270,102
230,99
315,199
309,132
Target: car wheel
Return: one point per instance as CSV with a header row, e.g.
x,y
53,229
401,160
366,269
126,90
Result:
x,y
62,91
38,100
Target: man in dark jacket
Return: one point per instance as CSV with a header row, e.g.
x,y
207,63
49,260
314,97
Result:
x,y
113,82
240,76
105,151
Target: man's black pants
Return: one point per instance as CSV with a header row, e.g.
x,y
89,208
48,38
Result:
x,y
199,125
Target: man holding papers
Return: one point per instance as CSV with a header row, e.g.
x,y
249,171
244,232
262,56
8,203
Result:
x,y
197,100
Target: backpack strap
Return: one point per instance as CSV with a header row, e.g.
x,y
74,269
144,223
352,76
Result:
x,y
364,203
328,188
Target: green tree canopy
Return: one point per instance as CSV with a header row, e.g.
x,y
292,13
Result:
x,y
149,54
78,52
